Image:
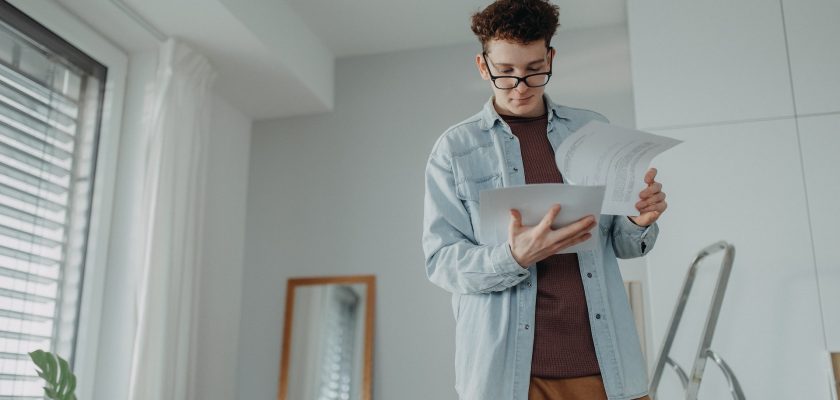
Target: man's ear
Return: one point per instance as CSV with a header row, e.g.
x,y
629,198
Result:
x,y
481,69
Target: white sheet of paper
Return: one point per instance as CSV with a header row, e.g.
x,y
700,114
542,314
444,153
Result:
x,y
533,202
609,155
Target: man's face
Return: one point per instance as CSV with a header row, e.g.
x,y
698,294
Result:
x,y
507,58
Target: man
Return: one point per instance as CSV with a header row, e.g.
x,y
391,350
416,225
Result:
x,y
530,324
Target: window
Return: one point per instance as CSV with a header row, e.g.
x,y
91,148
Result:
x,y
51,98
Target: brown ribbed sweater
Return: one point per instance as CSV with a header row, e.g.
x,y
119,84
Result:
x,y
563,346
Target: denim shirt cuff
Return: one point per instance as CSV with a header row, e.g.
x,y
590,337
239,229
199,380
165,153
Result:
x,y
504,263
637,231
641,235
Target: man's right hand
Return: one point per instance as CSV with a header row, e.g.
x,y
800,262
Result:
x,y
530,244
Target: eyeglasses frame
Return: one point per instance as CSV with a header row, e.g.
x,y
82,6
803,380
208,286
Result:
x,y
518,79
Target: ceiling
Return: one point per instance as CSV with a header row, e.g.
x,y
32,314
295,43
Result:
x,y
276,58
355,27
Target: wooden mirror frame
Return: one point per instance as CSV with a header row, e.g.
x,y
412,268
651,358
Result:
x,y
367,369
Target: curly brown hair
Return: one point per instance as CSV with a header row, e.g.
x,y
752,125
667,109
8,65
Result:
x,y
518,21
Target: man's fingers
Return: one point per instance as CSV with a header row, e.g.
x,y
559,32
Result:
x,y
651,173
549,217
569,242
649,201
660,207
578,227
651,190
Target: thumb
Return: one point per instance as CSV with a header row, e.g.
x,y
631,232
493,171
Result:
x,y
515,220
644,219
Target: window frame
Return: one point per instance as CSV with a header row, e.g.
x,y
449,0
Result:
x,y
66,25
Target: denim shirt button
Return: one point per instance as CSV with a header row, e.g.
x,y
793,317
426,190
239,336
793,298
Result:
x,y
588,274
597,316
527,326
515,169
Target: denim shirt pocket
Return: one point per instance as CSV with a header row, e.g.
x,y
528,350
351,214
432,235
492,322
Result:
x,y
469,189
474,172
475,169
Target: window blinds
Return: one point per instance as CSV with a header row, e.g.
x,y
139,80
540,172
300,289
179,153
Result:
x,y
50,105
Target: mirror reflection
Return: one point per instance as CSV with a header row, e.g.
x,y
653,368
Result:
x,y
326,345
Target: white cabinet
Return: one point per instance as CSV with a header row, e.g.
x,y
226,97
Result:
x,y
813,34
820,147
696,62
742,183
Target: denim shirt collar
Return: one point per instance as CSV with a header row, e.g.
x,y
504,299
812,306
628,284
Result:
x,y
489,116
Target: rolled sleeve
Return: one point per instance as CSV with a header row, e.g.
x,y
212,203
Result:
x,y
630,240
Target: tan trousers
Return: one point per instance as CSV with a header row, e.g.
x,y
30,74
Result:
x,y
583,388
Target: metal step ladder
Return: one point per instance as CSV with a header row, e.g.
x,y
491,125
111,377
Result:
x,y
691,383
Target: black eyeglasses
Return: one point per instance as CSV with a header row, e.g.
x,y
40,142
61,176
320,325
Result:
x,y
510,81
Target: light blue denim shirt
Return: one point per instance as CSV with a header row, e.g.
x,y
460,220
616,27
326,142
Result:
x,y
493,297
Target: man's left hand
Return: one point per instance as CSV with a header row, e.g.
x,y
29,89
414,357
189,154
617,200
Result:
x,y
652,201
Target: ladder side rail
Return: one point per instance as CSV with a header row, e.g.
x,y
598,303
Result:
x,y
696,375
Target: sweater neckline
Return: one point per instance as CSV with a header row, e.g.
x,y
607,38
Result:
x,y
516,118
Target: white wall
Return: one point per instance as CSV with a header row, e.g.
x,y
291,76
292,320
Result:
x,y
341,193
223,253
753,92
222,249
812,30
820,142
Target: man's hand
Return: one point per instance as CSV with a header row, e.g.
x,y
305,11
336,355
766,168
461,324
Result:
x,y
652,203
530,244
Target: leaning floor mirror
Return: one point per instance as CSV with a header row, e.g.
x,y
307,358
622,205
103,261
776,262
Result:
x,y
327,350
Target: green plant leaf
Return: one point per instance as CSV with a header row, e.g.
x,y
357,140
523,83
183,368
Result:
x,y
40,357
65,373
56,372
52,373
71,385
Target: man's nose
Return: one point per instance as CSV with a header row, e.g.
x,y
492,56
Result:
x,y
521,87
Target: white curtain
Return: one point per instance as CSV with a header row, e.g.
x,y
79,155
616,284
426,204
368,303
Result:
x,y
171,214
